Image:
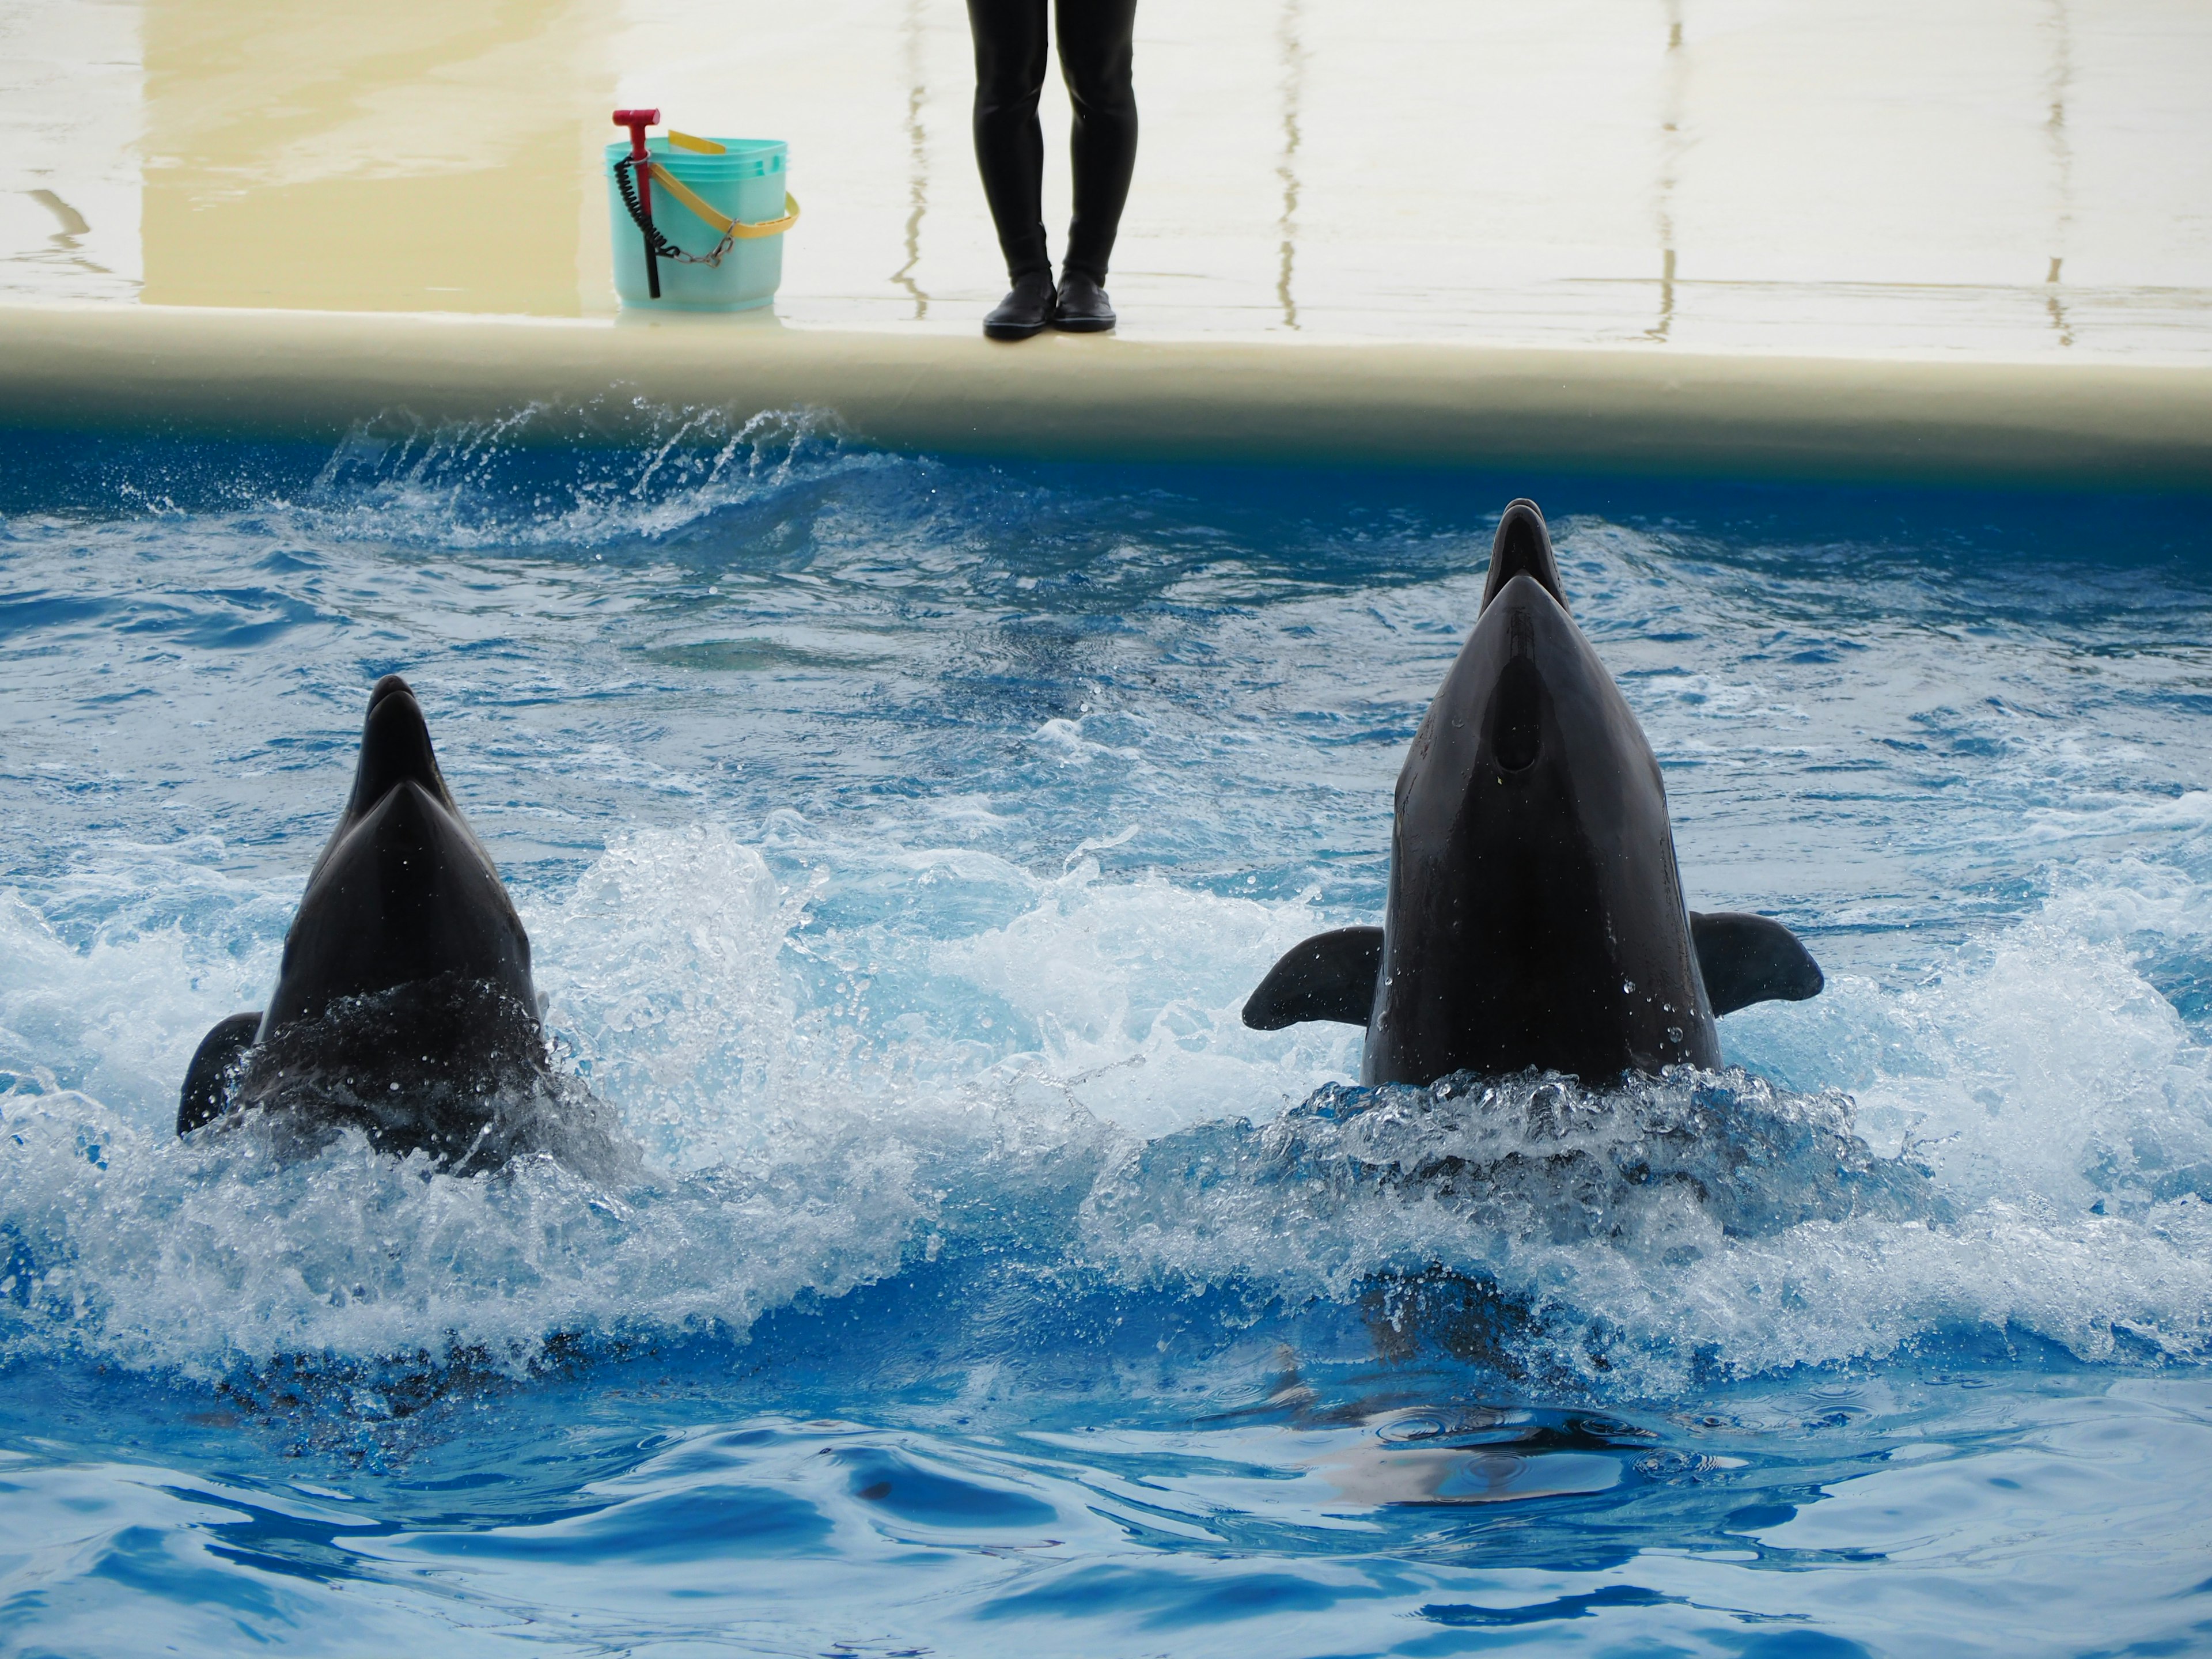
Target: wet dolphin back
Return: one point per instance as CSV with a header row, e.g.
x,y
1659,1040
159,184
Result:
x,y
406,896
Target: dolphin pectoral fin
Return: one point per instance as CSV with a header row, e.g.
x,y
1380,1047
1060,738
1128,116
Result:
x,y
208,1079
1330,976
1747,959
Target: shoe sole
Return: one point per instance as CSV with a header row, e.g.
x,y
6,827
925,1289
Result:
x,y
1084,324
1011,331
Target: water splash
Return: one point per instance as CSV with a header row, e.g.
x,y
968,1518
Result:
x,y
900,838
488,483
1109,1131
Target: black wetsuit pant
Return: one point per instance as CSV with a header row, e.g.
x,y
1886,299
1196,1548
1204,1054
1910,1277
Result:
x,y
1094,60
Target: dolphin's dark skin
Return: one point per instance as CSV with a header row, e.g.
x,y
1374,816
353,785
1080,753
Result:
x,y
1535,916
404,1003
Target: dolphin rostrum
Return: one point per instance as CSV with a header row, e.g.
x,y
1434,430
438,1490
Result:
x,y
1535,916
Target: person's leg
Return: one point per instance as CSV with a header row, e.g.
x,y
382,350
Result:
x,y
1010,64
1095,59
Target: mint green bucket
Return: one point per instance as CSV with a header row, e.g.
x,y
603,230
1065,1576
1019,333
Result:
x,y
746,183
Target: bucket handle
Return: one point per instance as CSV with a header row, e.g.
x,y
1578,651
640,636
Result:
x,y
734,230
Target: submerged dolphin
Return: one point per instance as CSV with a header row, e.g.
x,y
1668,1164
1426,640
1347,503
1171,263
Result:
x,y
405,1005
1535,916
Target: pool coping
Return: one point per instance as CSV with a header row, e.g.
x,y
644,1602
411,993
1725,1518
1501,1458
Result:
x,y
2098,424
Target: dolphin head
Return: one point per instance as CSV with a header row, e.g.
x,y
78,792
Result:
x,y
403,893
1523,629
1535,914
1527,709
395,750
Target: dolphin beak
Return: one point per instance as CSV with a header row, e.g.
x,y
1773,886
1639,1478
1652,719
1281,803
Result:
x,y
388,686
395,748
1522,547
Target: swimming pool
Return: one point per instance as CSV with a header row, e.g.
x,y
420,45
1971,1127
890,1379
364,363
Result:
x,y
899,839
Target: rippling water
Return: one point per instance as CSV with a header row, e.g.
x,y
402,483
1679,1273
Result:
x,y
899,839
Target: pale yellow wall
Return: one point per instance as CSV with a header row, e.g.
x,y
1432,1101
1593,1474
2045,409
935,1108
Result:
x,y
409,155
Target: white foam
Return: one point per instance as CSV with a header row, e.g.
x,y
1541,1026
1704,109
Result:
x,y
660,969
2061,1106
816,1098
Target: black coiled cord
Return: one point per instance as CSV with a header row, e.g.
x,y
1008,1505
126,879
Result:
x,y
660,244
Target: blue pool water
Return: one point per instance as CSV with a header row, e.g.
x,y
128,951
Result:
x,y
899,839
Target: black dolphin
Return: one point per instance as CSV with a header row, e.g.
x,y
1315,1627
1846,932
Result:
x,y
404,1003
1535,916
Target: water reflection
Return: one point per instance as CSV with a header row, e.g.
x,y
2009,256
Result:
x,y
2060,81
1671,144
74,228
1288,33
917,151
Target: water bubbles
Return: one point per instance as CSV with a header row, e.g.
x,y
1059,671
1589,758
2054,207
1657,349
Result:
x,y
1550,1111
1688,1466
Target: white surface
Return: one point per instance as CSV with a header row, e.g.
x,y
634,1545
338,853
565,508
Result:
x,y
71,88
1994,178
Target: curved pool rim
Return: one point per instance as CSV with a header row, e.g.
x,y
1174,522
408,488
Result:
x,y
1627,411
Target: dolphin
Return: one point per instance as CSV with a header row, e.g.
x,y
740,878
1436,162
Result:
x,y
1535,918
403,1005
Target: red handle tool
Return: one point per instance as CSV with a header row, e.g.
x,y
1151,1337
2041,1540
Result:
x,y
637,120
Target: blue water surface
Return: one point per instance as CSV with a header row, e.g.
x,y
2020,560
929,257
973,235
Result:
x,y
899,839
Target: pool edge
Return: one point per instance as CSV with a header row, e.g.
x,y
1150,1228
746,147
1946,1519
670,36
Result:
x,y
317,374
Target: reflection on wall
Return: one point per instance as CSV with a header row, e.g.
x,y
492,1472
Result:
x,y
2060,82
917,153
385,158
1289,42
68,165
1672,143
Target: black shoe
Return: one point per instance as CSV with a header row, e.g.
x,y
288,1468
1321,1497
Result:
x,y
1025,310
1083,307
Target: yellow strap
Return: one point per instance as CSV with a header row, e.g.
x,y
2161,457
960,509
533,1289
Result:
x,y
720,222
700,146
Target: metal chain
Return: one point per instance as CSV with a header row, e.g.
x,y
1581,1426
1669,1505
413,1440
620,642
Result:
x,y
662,247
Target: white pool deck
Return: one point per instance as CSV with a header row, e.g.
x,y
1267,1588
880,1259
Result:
x,y
1832,237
